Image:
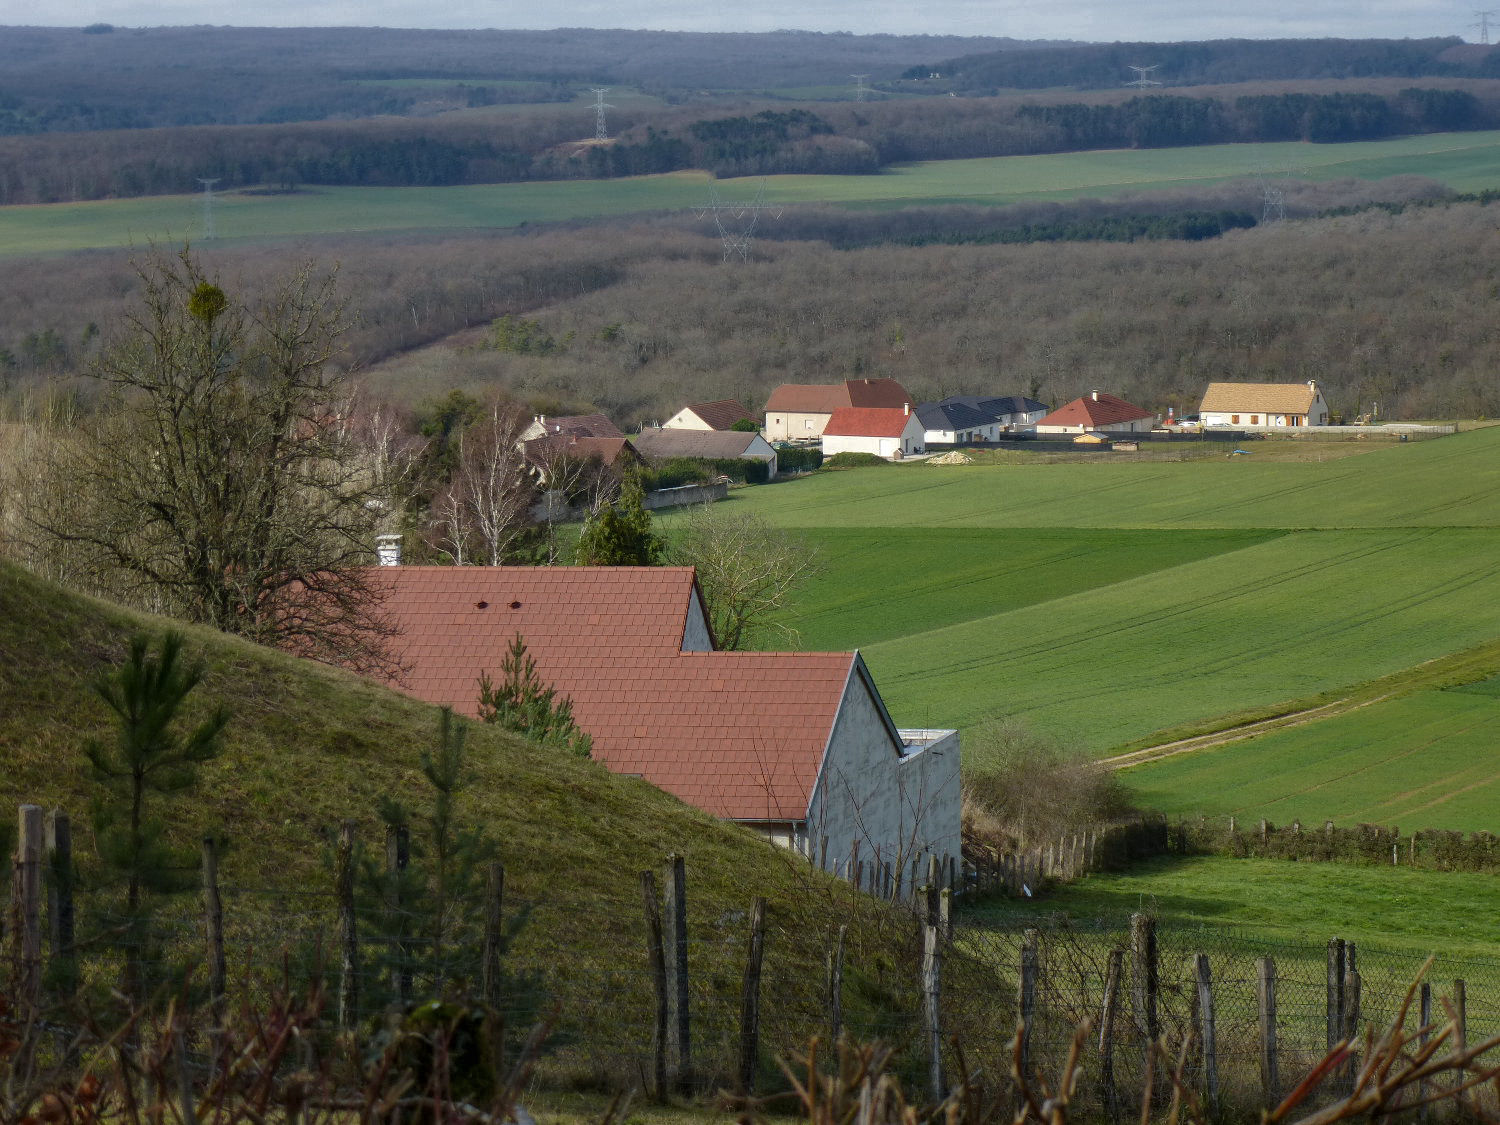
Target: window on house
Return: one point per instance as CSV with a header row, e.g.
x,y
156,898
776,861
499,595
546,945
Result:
x,y
808,423
1234,419
1255,419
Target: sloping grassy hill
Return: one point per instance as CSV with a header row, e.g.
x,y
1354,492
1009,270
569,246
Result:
x,y
310,746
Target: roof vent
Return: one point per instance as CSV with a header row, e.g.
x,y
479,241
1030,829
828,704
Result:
x,y
515,605
388,549
481,605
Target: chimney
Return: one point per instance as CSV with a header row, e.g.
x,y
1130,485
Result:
x,y
906,409
1096,394
388,549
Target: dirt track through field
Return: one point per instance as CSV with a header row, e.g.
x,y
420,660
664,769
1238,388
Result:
x,y
1237,734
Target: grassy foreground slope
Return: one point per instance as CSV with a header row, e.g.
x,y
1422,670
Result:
x,y
1464,161
310,746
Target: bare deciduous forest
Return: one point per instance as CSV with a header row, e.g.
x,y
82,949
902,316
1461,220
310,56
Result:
x,y
1393,305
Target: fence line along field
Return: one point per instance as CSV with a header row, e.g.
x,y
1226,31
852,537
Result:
x,y
1463,161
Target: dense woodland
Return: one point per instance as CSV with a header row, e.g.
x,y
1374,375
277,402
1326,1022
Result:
x,y
1395,304
1101,65
102,77
747,138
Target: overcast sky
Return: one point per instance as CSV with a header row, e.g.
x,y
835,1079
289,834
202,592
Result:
x,y
1098,20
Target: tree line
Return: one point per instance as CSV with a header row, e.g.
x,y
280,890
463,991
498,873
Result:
x,y
758,139
1093,66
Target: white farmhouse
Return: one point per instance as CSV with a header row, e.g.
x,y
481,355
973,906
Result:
x,y
885,432
1263,406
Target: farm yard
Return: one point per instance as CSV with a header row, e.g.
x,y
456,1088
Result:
x,y
1462,161
1104,603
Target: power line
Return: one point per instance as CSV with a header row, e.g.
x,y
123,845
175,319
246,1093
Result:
x,y
208,206
601,132
1142,79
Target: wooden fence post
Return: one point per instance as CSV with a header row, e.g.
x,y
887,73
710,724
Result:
x,y
1424,1014
932,976
343,876
1206,1030
494,914
397,856
675,941
1145,985
1351,1026
1265,996
836,988
657,960
213,932
1335,992
27,907
1026,996
750,999
60,911
1461,1027
1108,1092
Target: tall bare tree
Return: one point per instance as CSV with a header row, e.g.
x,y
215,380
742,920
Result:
x,y
484,513
747,570
216,481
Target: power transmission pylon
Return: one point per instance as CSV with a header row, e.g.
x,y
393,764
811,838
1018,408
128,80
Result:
x,y
736,220
1141,76
1482,24
208,206
861,91
601,133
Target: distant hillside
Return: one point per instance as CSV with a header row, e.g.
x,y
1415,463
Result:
x,y
310,746
1095,66
102,77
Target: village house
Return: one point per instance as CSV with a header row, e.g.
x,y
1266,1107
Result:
x,y
1263,406
885,432
1097,412
956,423
799,411
720,415
797,747
571,425
713,445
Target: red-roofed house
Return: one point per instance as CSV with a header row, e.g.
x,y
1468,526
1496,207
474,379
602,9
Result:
x,y
720,415
1097,412
797,746
571,425
797,411
883,431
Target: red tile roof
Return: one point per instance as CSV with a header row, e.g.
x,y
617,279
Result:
x,y
825,398
855,421
720,415
741,735
608,449
1105,410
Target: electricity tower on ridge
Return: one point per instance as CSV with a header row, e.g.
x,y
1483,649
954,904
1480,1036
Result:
x,y
601,132
1273,182
861,91
735,221
208,205
1482,24
1142,76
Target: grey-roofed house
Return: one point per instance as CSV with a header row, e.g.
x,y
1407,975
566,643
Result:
x,y
954,423
659,444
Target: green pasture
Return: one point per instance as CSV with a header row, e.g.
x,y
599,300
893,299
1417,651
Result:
x,y
1466,161
1428,760
879,585
1454,481
1290,617
1393,909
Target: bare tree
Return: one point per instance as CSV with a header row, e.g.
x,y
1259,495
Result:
x,y
216,481
747,570
485,510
